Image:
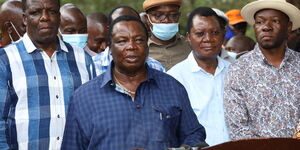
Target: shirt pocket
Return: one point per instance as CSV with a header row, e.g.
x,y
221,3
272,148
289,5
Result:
x,y
167,120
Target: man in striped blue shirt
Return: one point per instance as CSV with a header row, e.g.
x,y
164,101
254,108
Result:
x,y
38,75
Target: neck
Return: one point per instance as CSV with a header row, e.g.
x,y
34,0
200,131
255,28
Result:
x,y
209,64
130,80
161,42
48,47
275,55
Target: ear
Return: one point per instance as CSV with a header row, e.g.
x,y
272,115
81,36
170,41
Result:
x,y
188,37
290,26
24,19
8,27
148,22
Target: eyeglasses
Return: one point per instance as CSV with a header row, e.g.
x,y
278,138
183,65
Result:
x,y
161,17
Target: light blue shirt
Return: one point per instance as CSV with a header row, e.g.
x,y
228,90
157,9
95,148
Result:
x,y
205,92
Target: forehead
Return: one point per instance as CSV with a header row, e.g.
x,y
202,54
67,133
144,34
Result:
x,y
73,14
96,28
205,22
123,11
266,13
127,27
42,3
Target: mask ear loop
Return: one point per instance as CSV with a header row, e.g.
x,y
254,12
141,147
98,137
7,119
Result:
x,y
9,34
15,30
148,17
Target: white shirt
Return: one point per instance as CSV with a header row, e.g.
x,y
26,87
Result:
x,y
205,92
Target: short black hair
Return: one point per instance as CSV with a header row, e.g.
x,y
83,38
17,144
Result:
x,y
24,4
125,18
204,11
110,20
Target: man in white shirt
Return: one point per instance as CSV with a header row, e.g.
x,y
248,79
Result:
x,y
202,73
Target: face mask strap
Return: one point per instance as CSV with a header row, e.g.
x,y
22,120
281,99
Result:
x,y
15,31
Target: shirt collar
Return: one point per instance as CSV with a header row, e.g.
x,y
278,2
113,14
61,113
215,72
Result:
x,y
107,76
263,59
195,68
30,47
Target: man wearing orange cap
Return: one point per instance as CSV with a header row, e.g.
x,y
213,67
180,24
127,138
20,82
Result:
x,y
237,24
165,44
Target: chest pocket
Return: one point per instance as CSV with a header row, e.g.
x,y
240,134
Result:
x,y
167,120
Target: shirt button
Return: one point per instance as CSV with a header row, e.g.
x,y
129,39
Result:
x,y
57,96
57,138
138,106
58,116
54,77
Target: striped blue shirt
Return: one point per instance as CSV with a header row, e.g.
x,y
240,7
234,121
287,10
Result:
x,y
35,91
103,117
103,59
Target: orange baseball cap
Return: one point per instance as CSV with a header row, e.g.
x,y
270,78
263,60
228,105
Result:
x,y
234,16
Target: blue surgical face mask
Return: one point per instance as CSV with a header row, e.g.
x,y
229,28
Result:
x,y
164,31
76,39
232,54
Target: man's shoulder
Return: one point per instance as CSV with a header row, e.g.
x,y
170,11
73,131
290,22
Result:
x,y
245,60
164,80
179,68
92,86
295,55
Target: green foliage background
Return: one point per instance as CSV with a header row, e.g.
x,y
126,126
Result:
x,y
105,6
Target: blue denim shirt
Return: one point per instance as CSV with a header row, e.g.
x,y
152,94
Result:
x,y
101,117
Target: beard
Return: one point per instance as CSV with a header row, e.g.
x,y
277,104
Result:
x,y
270,45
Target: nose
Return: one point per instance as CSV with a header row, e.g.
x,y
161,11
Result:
x,y
103,46
44,16
166,20
132,45
267,26
207,37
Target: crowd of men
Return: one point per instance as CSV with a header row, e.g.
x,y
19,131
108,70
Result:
x,y
131,81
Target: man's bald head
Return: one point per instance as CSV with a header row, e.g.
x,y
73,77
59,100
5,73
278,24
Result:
x,y
11,21
97,24
97,17
72,19
239,44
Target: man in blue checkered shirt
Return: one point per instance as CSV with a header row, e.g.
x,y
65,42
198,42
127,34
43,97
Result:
x,y
38,75
131,106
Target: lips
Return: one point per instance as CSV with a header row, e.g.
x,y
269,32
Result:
x,y
45,29
267,37
208,48
131,59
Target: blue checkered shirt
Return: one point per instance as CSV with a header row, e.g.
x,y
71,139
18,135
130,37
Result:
x,y
103,59
35,91
103,117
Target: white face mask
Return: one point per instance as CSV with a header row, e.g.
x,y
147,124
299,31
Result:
x,y
232,54
76,39
164,31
